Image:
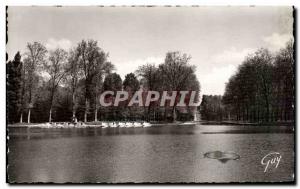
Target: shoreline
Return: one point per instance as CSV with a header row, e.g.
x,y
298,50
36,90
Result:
x,y
155,124
237,123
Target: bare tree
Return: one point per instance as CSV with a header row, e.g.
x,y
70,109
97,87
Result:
x,y
34,57
56,69
73,74
176,72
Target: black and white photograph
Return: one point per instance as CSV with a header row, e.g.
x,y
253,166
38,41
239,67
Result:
x,y
150,94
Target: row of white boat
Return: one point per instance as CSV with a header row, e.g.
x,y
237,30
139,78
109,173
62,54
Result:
x,y
100,125
125,124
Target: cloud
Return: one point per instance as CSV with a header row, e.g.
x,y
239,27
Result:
x,y
52,44
232,56
223,66
214,82
277,41
126,67
212,78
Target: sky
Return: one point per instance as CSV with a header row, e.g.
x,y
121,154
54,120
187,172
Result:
x,y
217,38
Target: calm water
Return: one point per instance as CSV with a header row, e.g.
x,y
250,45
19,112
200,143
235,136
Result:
x,y
156,154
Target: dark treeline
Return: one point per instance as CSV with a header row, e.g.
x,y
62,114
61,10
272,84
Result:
x,y
212,108
262,90
56,85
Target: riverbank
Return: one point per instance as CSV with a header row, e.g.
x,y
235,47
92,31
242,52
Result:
x,y
178,123
287,123
103,124
106,124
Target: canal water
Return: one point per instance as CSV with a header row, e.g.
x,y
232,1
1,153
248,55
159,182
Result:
x,y
157,154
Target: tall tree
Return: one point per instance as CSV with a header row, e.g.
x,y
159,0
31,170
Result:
x,y
262,90
55,67
263,62
112,82
73,75
284,83
91,59
14,88
211,108
175,72
34,57
150,77
131,83
105,69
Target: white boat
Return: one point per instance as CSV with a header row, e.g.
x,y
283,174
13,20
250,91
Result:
x,y
122,124
71,125
112,124
129,124
147,124
47,125
104,125
137,124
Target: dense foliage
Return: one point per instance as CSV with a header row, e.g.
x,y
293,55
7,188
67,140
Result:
x,y
59,85
262,90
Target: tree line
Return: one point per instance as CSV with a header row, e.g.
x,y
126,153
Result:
x,y
261,90
58,85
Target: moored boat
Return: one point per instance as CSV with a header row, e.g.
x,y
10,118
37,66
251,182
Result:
x,y
147,124
129,124
121,124
137,124
104,125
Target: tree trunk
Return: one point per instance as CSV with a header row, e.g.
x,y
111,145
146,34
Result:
x,y
28,118
174,114
96,112
73,105
268,110
86,110
96,108
50,115
21,117
165,114
73,113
